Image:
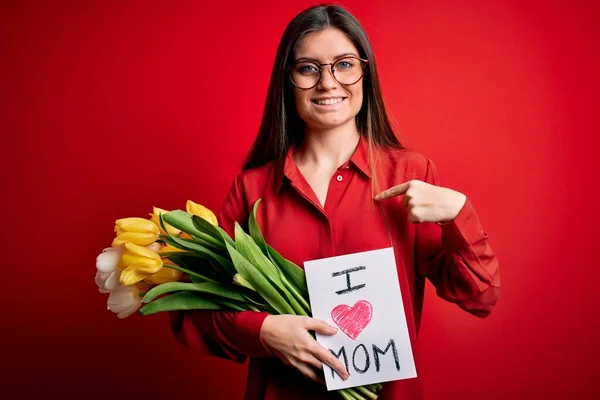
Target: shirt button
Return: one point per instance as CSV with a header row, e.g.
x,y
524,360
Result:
x,y
339,178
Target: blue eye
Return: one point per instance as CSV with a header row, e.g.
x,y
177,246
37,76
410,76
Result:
x,y
307,68
344,64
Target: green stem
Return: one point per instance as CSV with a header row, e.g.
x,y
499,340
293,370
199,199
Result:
x,y
375,387
344,393
187,271
356,395
366,392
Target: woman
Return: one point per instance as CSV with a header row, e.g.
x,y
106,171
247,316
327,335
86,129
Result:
x,y
323,150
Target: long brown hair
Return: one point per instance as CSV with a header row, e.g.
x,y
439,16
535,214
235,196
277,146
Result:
x,y
281,126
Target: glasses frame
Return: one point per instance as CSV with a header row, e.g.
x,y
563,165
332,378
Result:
x,y
332,69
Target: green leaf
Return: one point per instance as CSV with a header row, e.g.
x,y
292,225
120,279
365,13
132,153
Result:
x,y
254,229
197,279
179,301
291,290
218,234
232,305
174,255
193,274
184,221
189,252
225,235
181,220
213,288
202,265
190,244
246,246
250,250
261,306
167,239
292,272
258,281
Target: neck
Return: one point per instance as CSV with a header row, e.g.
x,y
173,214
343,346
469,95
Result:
x,y
327,148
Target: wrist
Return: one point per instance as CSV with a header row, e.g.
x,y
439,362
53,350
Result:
x,y
264,329
457,203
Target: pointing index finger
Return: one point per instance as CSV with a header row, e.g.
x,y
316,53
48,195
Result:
x,y
394,191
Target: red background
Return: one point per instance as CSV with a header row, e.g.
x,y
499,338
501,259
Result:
x,y
111,107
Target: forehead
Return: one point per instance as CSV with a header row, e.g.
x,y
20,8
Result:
x,y
324,45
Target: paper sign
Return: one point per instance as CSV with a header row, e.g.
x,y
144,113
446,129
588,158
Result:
x,y
359,293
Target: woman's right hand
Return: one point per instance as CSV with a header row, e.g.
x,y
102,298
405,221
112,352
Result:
x,y
287,337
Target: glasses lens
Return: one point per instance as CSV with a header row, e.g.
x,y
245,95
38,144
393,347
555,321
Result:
x,y
348,70
305,74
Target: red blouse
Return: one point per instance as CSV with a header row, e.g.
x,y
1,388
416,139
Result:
x,y
454,256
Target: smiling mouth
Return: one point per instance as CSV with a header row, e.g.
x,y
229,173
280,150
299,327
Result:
x,y
326,102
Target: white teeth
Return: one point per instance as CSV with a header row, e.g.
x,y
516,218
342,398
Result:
x,y
329,101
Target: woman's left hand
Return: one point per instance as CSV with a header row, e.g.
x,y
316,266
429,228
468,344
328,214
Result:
x,y
426,202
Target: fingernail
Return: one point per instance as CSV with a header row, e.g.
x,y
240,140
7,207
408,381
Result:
x,y
333,329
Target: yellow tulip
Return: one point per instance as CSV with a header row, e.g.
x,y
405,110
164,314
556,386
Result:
x,y
138,263
156,221
201,211
135,230
164,275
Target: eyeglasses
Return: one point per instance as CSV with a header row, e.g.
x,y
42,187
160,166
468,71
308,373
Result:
x,y
346,70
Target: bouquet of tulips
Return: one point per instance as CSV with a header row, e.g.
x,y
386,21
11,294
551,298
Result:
x,y
182,260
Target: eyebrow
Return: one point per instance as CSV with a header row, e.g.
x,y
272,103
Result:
x,y
318,61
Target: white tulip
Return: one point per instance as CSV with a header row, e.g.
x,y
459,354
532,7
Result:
x,y
124,300
101,278
108,260
107,281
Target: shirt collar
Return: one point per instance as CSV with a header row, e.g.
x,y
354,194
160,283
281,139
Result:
x,y
286,168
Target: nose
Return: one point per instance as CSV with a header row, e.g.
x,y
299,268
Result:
x,y
327,81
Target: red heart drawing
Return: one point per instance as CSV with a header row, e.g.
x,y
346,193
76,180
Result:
x,y
352,320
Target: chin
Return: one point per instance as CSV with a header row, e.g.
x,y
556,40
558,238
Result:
x,y
331,122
